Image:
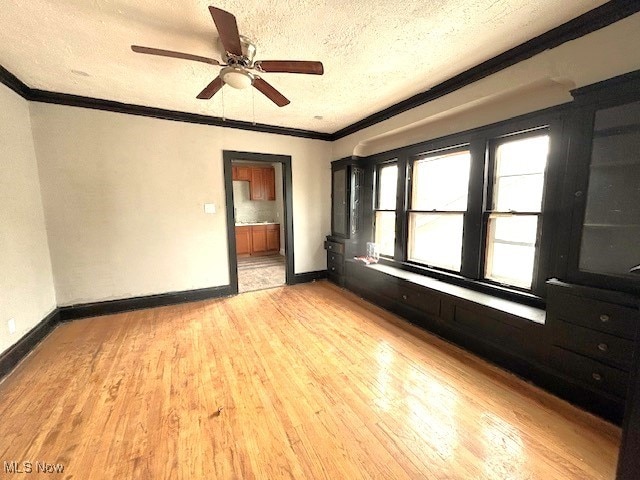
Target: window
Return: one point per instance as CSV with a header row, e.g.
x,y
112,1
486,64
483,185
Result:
x,y
439,191
517,180
385,208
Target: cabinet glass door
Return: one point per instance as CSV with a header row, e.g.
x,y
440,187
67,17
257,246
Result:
x,y
339,203
610,242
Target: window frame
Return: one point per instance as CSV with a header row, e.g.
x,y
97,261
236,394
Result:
x,y
555,229
408,210
490,181
376,201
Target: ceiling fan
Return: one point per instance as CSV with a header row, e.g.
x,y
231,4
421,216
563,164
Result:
x,y
239,57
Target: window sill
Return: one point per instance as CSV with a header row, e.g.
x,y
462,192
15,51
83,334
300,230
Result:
x,y
511,307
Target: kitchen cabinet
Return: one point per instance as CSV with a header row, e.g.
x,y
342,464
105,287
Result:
x,y
273,237
258,239
262,239
262,181
243,240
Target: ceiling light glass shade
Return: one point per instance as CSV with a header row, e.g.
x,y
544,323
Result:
x,y
236,77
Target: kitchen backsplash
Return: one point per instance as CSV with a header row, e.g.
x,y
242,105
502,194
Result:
x,y
249,211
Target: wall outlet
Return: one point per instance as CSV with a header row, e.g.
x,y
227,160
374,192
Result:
x,y
11,325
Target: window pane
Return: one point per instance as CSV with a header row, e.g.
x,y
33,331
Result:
x,y
519,175
387,186
436,239
511,248
441,182
385,235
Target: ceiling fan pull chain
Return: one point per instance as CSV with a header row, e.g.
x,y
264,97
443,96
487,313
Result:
x,y
223,116
253,104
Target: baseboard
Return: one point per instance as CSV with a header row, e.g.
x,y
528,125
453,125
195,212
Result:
x,y
11,357
307,277
109,307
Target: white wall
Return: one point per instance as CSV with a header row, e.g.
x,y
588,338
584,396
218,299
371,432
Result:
x,y
26,282
123,197
539,82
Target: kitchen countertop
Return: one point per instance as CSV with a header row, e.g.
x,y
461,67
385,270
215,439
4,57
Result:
x,y
256,223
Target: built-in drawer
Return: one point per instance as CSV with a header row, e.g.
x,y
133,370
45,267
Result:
x,y
598,345
419,298
590,372
334,258
486,328
335,263
605,317
375,281
335,247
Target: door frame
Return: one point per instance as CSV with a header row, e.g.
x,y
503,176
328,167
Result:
x,y
228,156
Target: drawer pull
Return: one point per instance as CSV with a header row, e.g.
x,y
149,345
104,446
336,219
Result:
x,y
596,376
404,297
603,347
330,247
333,269
604,318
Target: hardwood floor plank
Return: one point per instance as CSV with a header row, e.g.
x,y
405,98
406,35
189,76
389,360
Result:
x,y
312,382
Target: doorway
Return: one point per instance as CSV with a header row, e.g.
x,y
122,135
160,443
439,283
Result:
x,y
259,220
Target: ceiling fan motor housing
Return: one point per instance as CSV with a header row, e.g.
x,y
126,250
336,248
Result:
x,y
248,53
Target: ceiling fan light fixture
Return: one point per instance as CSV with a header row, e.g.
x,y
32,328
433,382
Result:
x,y
236,77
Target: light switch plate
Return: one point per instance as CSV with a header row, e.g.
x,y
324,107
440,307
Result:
x,y
11,324
209,208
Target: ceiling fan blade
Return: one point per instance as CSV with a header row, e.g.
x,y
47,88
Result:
x,y
170,53
227,29
290,66
272,94
211,89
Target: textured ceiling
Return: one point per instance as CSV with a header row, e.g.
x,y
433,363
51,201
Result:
x,y
375,53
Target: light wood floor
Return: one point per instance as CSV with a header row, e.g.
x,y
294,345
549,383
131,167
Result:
x,y
314,383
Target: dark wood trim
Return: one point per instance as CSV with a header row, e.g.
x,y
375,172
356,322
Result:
x,y
307,277
14,83
109,307
227,157
112,106
19,350
591,21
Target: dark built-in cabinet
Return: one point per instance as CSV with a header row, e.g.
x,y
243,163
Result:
x,y
577,340
606,229
347,179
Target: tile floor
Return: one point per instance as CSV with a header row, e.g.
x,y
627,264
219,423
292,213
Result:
x,y
258,273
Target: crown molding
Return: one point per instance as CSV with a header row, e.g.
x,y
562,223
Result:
x,y
586,23
600,17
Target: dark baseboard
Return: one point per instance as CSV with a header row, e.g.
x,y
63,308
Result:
x,y
307,277
85,310
11,357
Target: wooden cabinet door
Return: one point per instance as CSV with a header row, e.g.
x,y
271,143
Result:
x,y
257,184
258,239
244,173
273,237
234,173
243,240
270,183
